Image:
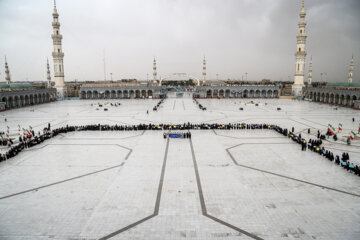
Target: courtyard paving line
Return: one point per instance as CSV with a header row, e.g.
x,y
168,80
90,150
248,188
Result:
x,y
138,135
202,200
174,104
243,137
25,159
83,144
119,121
157,203
183,104
144,120
62,181
350,151
283,176
300,122
314,122
37,125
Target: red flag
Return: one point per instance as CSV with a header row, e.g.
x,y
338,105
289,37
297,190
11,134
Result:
x,y
351,137
332,133
340,129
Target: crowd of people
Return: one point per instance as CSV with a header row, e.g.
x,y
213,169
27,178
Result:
x,y
31,139
199,104
315,146
158,105
177,135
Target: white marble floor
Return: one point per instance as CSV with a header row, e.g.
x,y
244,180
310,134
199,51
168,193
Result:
x,y
239,184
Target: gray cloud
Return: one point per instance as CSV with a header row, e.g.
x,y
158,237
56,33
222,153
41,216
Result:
x,y
237,36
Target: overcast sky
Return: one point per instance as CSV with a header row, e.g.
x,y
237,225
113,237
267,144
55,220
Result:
x,y
236,36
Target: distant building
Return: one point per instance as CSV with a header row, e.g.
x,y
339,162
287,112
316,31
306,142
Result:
x,y
17,95
338,93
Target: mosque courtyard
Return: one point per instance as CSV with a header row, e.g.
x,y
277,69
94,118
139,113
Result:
x,y
220,184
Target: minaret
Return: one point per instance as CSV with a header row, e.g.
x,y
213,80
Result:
x,y
310,72
204,70
154,69
48,74
351,70
7,72
58,55
300,54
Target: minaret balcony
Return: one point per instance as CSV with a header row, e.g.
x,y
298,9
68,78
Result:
x,y
301,53
301,35
56,24
58,54
56,36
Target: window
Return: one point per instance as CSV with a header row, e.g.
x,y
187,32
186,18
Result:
x,y
57,32
58,49
298,67
60,68
300,30
299,49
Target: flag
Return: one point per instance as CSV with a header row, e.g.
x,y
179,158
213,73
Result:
x,y
351,136
331,127
340,127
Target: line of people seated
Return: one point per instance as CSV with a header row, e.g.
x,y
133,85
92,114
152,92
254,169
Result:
x,y
158,105
200,106
315,146
177,135
30,140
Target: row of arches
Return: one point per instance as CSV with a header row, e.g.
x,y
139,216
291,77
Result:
x,y
332,98
227,93
112,94
18,101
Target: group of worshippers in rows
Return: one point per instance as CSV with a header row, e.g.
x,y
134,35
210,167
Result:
x,y
315,146
199,104
184,126
30,140
177,135
157,105
111,104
